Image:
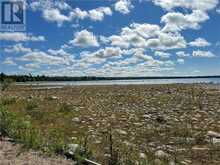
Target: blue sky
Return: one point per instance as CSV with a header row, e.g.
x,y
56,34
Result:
x,y
115,38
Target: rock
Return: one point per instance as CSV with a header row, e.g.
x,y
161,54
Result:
x,y
73,138
97,142
216,141
200,148
160,119
53,98
138,124
213,134
142,155
161,154
71,149
122,132
90,119
76,119
146,116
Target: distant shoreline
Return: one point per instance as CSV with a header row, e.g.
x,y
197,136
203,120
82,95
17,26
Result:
x,y
121,82
43,78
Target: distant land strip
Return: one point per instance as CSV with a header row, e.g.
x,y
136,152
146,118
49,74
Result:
x,y
30,77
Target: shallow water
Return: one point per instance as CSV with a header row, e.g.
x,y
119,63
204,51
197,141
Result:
x,y
126,82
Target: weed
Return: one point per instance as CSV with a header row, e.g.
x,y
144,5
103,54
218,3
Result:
x,y
64,107
8,100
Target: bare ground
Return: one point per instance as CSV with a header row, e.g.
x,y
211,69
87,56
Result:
x,y
13,154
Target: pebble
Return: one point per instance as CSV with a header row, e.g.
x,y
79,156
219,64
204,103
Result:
x,y
161,154
122,132
142,155
71,148
76,119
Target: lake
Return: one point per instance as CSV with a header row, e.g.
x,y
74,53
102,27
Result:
x,y
127,82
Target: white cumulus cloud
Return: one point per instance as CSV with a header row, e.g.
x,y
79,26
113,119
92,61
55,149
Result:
x,y
123,6
200,53
17,48
175,21
84,38
19,36
188,4
199,42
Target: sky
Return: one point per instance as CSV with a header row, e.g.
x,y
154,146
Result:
x,y
115,38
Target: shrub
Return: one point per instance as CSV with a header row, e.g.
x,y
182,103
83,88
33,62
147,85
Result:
x,y
8,100
21,129
5,84
31,104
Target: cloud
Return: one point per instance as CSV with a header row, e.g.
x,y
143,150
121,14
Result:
x,y
85,38
199,42
123,6
108,52
99,13
59,52
52,12
166,41
44,58
96,14
100,56
144,30
9,61
182,54
180,61
17,48
79,14
140,54
19,37
104,40
147,36
218,10
175,21
42,4
162,54
69,58
32,66
204,5
62,5
119,41
199,53
129,62
54,15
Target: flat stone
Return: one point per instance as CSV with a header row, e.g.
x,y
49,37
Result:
x,y
213,134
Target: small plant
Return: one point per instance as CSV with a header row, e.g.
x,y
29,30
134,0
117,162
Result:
x,y
64,107
8,100
31,105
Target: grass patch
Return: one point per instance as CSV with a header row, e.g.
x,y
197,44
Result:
x,y
8,100
21,129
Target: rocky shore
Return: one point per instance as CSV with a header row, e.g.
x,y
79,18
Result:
x,y
160,124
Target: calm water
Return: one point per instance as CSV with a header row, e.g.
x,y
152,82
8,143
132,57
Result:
x,y
127,82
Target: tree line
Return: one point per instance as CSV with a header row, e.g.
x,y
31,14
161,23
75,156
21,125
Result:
x,y
30,78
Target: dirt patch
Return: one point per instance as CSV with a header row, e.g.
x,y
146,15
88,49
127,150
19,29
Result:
x,y
13,154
